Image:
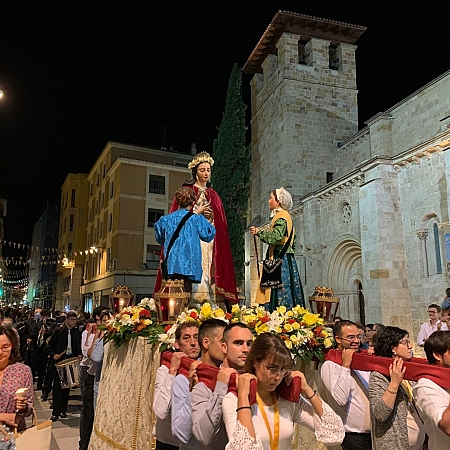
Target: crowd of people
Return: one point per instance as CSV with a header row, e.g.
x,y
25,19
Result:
x,y
33,344
360,410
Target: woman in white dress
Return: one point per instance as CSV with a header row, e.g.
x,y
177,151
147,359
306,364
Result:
x,y
269,423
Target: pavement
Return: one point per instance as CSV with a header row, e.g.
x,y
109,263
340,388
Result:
x,y
65,432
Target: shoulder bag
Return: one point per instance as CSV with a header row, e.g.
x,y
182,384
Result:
x,y
271,268
164,270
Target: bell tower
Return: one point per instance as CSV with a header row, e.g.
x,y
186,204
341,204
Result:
x,y
304,104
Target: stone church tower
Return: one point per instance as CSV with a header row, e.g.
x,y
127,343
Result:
x,y
304,104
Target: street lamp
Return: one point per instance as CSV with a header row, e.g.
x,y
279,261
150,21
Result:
x,y
1,94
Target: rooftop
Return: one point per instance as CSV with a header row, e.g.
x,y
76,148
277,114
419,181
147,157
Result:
x,y
306,27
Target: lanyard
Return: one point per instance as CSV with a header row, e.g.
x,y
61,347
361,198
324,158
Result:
x,y
276,427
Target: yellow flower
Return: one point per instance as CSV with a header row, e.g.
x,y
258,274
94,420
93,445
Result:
x,y
327,343
296,326
205,310
261,328
281,310
289,314
234,320
310,319
294,339
248,318
288,344
235,309
135,316
278,329
324,334
218,313
147,322
287,327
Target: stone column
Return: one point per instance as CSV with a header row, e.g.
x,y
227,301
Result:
x,y
423,235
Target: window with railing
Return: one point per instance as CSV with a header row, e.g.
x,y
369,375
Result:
x,y
153,256
153,216
156,184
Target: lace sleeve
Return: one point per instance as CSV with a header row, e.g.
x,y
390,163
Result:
x,y
329,429
241,440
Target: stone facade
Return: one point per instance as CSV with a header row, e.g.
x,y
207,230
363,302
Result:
x,y
375,234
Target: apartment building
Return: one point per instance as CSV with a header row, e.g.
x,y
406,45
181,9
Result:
x,y
130,188
72,240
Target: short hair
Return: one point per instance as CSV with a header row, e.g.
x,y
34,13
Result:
x,y
337,327
45,312
438,308
387,339
230,327
369,325
13,337
98,311
438,342
209,329
185,197
359,325
71,313
268,345
380,327
182,327
447,291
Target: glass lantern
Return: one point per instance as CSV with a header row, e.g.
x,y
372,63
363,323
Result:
x,y
323,302
171,300
120,298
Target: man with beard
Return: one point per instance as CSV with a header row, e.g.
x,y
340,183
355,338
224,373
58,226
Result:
x,y
207,420
186,343
432,401
348,390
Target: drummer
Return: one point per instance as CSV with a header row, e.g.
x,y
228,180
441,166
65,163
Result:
x,y
65,343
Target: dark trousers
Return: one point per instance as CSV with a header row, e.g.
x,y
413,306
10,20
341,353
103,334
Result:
x,y
87,411
60,395
357,441
48,378
161,446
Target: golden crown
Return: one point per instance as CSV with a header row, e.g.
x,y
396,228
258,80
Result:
x,y
202,157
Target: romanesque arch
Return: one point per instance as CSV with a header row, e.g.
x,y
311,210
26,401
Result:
x,y
344,275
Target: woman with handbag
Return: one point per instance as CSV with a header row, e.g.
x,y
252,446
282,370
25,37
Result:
x,y
14,406
288,290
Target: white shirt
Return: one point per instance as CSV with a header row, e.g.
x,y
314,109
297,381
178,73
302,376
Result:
x,y
427,329
431,401
329,430
162,407
86,341
348,399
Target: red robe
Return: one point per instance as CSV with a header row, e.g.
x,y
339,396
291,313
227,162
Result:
x,y
222,267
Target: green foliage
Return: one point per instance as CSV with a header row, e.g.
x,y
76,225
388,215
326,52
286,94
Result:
x,y
231,173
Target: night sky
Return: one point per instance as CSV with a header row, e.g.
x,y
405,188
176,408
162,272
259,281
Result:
x,y
79,73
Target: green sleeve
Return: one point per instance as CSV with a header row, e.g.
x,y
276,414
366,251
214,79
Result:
x,y
276,235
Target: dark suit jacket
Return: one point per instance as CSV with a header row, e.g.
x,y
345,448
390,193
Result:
x,y
58,342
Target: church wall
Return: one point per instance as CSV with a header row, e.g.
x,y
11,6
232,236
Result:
x,y
421,117
424,194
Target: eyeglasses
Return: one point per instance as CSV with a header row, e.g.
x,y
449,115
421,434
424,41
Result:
x,y
352,338
406,342
273,370
5,347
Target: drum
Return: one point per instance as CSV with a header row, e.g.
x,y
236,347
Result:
x,y
69,372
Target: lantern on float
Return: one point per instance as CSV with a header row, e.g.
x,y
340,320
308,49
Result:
x,y
171,300
323,302
120,298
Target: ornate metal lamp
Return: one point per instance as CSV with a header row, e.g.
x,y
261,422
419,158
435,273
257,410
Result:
x,y
120,298
326,305
171,300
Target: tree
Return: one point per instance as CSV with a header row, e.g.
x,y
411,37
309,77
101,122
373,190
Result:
x,y
231,174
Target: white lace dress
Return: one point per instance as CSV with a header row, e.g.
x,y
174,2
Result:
x,y
329,429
